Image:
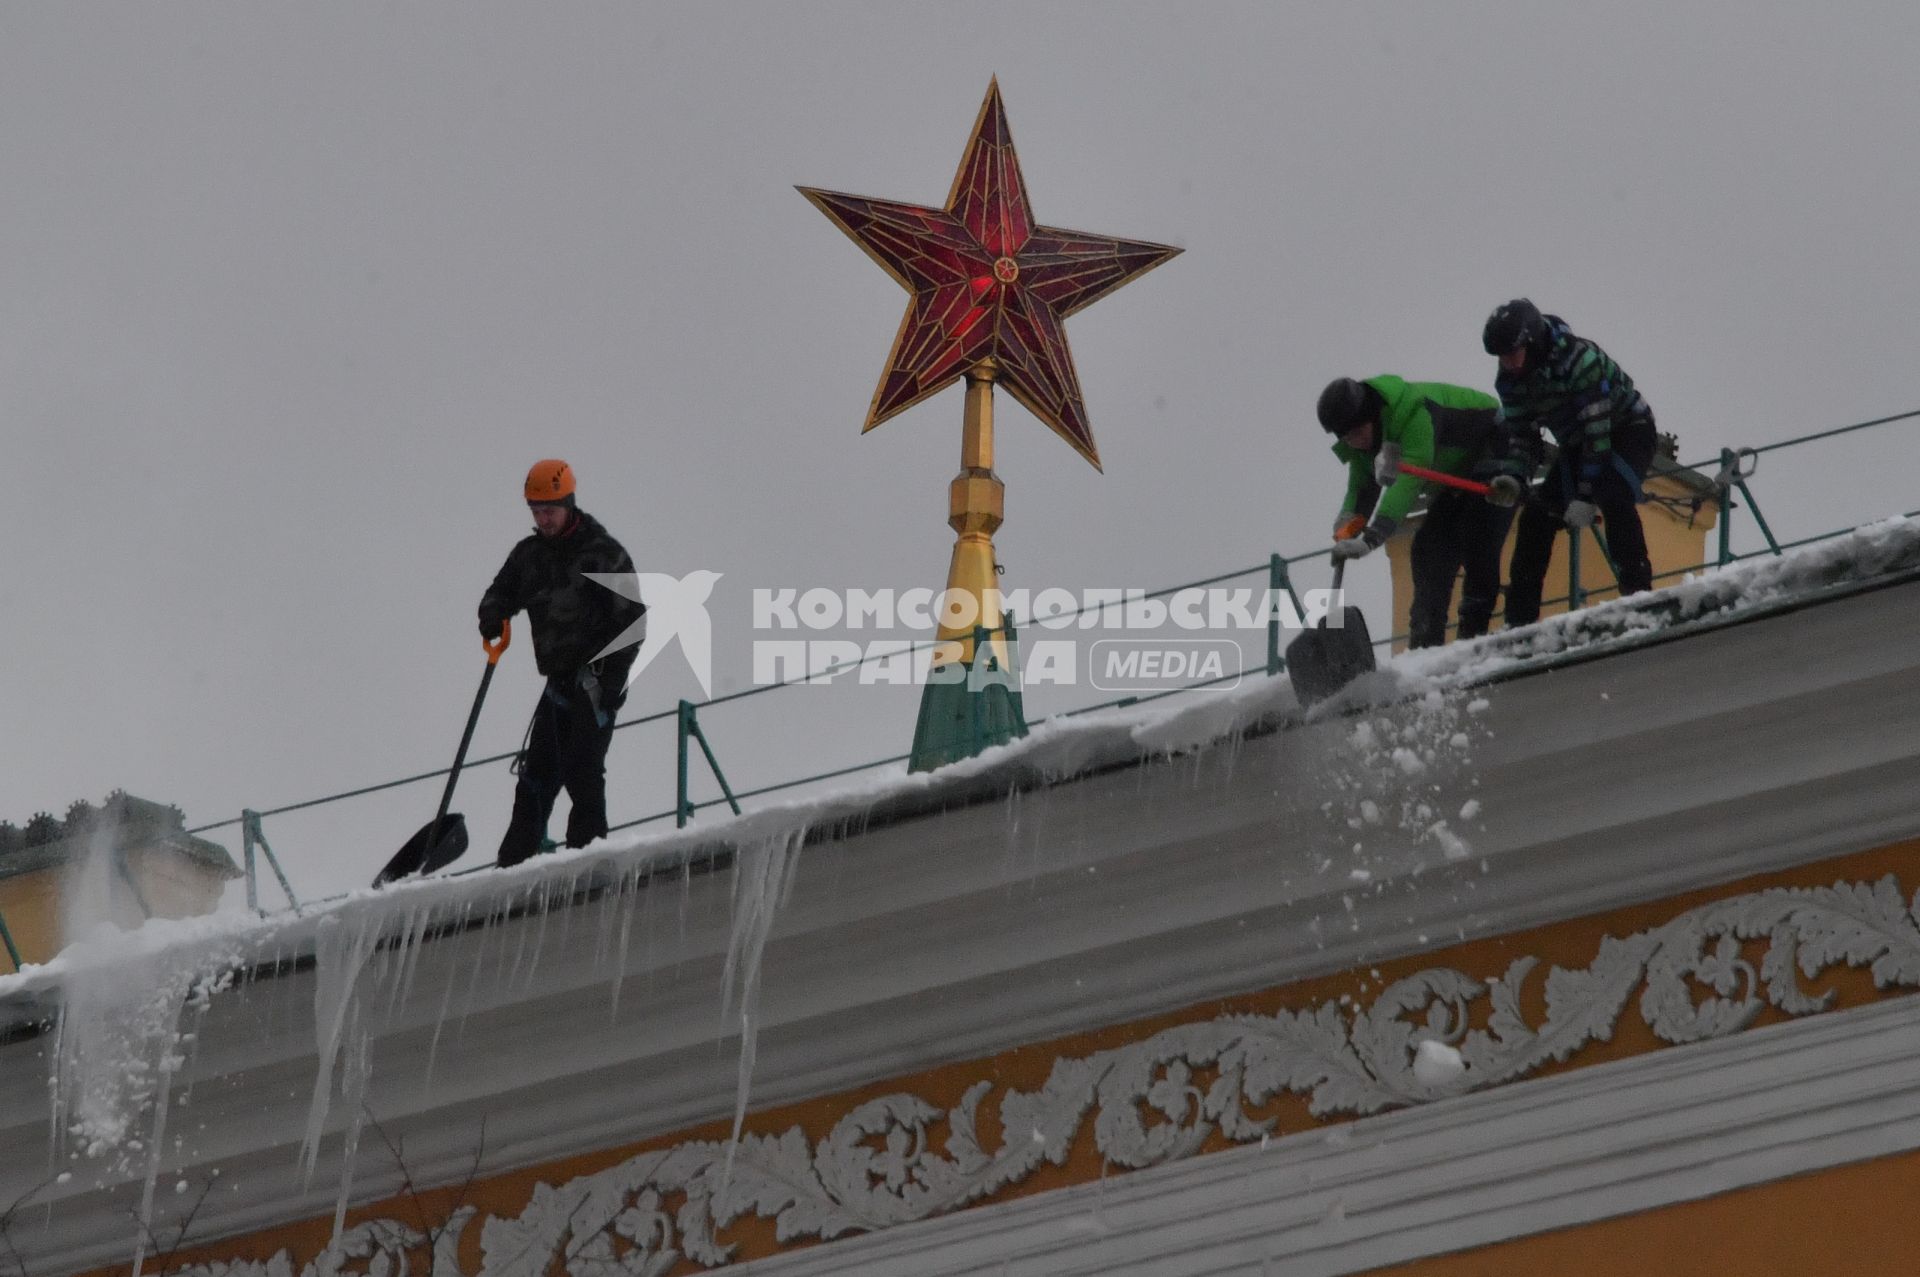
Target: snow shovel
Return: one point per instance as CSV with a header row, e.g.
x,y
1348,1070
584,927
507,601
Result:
x,y
443,840
1505,490
1322,660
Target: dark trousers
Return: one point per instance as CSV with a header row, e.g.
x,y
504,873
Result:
x,y
566,749
1620,514
1459,530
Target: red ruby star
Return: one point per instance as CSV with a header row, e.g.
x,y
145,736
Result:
x,y
987,283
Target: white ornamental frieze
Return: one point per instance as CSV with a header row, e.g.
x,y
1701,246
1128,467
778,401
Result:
x,y
1708,973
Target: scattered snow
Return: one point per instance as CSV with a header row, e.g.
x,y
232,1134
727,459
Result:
x,y
1436,1064
1451,844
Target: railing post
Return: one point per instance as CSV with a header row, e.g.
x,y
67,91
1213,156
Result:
x,y
1576,595
1276,582
1606,556
1008,623
246,860
982,655
252,834
690,726
1758,518
682,809
1729,466
13,950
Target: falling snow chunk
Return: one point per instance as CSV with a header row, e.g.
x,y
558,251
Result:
x,y
1470,809
1360,875
1370,811
1479,705
1451,843
1436,1064
1458,740
1408,761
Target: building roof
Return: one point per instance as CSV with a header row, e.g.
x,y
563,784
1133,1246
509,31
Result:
x,y
46,841
1107,870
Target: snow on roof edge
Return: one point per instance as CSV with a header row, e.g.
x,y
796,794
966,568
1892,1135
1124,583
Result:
x,y
1057,749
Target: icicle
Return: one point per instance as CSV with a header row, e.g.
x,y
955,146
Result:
x,y
169,1062
540,933
603,925
764,875
520,943
686,895
414,939
357,1072
620,961
439,1023
569,901
338,961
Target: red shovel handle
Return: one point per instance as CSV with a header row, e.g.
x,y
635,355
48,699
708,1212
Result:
x,y
1447,480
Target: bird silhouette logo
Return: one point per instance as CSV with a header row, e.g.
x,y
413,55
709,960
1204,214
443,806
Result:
x,y
676,609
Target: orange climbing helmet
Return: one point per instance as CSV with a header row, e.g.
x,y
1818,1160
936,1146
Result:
x,y
550,483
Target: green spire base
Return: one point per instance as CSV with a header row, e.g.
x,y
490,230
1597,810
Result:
x,y
964,710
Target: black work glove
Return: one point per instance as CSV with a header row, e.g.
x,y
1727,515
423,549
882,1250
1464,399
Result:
x,y
490,623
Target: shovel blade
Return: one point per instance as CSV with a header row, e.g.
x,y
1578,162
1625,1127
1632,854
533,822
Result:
x,y
438,844
1322,660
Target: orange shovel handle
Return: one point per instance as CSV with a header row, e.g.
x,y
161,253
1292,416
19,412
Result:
x,y
497,647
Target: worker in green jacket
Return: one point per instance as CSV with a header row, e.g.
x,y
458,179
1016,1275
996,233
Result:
x,y
1384,421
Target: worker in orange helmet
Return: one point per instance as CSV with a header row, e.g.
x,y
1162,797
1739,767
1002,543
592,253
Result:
x,y
575,620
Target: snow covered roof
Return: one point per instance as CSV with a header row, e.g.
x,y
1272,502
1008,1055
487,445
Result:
x,y
1110,866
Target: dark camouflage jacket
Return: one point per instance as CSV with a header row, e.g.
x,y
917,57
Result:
x,y
1574,393
573,617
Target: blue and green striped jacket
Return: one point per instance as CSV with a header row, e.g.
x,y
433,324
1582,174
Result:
x,y
1575,394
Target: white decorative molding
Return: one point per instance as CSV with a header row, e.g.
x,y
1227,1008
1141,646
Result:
x,y
1159,1100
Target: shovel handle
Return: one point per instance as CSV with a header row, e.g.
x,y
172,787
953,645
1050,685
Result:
x,y
496,647
1444,479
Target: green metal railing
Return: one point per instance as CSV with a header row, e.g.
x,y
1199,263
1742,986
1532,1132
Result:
x,y
1734,468
13,950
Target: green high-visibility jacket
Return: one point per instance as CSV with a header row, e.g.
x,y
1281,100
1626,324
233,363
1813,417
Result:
x,y
1440,426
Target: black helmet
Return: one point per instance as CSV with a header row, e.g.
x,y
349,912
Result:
x,y
1512,325
1344,404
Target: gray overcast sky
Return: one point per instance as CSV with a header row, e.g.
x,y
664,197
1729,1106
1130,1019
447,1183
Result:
x,y
290,297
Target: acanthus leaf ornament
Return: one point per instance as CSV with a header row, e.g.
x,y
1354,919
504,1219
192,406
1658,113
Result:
x,y
1159,1099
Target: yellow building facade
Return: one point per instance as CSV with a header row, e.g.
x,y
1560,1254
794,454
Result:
x,y
122,863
